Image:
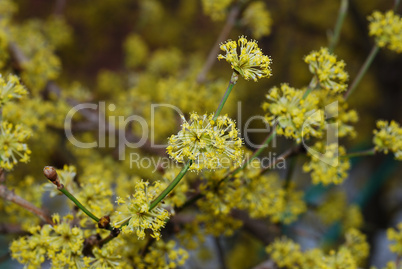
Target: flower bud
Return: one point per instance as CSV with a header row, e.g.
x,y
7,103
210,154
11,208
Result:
x,y
50,173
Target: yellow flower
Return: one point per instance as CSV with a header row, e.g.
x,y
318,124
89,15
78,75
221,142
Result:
x,y
285,252
13,145
105,257
387,30
61,243
388,138
328,72
257,17
207,143
356,243
396,236
216,9
328,167
12,89
251,63
294,115
135,213
163,255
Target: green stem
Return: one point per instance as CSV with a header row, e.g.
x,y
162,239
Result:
x,y
338,26
171,186
362,71
77,203
289,174
368,152
232,82
179,176
310,88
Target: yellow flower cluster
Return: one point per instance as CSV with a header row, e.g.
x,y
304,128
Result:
x,y
353,217
61,243
334,199
251,63
350,216
387,30
328,72
327,164
190,96
163,255
356,242
287,254
42,64
338,112
13,147
11,89
207,143
57,31
391,265
216,207
216,9
136,51
134,212
260,195
388,137
293,207
95,194
219,224
106,258
258,19
165,62
295,117
396,236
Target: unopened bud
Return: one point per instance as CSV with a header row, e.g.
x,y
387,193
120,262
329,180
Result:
x,y
104,222
50,173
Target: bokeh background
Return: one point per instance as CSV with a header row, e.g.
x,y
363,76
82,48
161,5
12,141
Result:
x,y
135,52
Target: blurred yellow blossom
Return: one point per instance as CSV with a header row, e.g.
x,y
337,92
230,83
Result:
x,y
13,147
387,30
216,9
388,137
327,164
328,72
395,235
11,89
257,17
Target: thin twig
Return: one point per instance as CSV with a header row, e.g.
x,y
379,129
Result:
x,y
338,26
221,254
290,152
8,195
147,246
230,21
374,51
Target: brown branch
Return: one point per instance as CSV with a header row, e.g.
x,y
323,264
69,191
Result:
x,y
230,21
221,253
8,195
11,229
59,7
258,228
289,153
